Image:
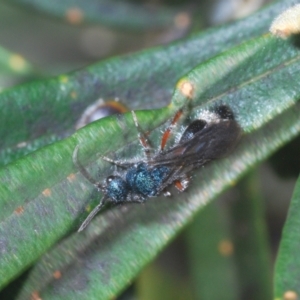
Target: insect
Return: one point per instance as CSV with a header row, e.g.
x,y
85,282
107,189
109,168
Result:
x,y
202,141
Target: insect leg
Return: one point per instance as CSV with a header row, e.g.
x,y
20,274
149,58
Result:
x,y
172,177
85,173
142,136
169,129
92,214
182,183
178,177
118,163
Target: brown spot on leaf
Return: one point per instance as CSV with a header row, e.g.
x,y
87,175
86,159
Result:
x,y
19,210
74,15
73,95
290,295
71,177
182,20
225,247
35,296
57,274
186,88
46,192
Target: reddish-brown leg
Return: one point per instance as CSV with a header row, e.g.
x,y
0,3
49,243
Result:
x,y
182,184
169,129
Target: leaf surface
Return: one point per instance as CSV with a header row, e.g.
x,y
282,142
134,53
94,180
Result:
x,y
41,112
144,228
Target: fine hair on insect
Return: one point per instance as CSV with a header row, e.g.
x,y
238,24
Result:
x,y
203,140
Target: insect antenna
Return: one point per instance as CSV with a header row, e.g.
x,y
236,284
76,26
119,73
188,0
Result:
x,y
92,214
118,163
86,174
82,169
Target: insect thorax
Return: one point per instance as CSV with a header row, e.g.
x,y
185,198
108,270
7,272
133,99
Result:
x,y
145,180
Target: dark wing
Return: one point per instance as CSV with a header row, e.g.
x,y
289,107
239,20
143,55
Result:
x,y
214,141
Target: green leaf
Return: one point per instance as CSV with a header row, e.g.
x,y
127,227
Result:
x,y
56,201
111,251
43,199
41,112
287,274
119,14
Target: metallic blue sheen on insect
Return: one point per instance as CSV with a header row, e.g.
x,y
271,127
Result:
x,y
139,180
146,181
202,141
